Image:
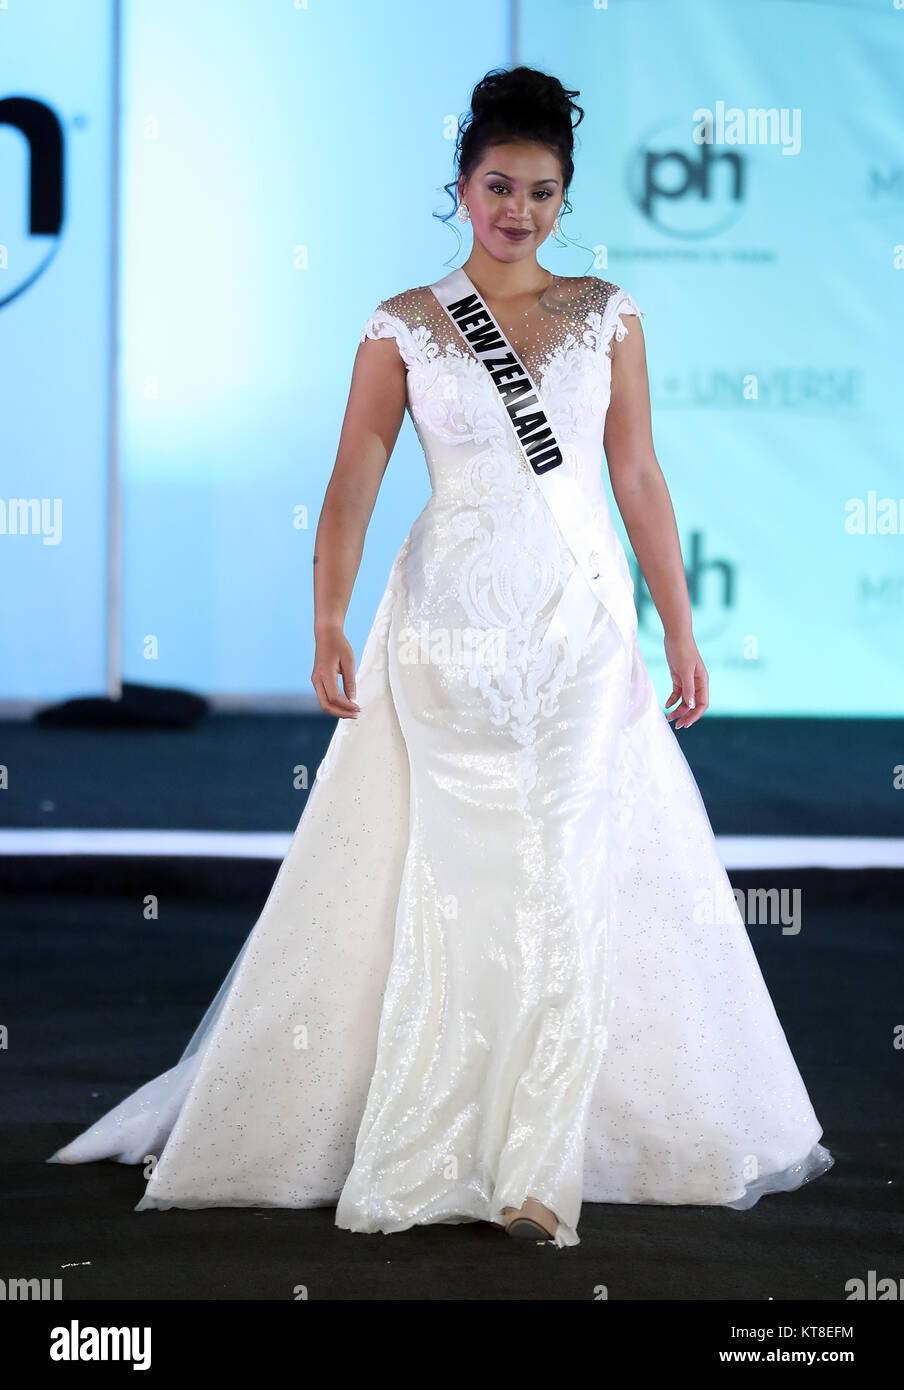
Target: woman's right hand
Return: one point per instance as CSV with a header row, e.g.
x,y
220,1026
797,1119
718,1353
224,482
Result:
x,y
333,656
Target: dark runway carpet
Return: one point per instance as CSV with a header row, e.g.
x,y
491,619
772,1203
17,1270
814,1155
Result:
x,y
105,1000
97,1000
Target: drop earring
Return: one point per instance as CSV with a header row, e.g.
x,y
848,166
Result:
x,y
555,226
463,214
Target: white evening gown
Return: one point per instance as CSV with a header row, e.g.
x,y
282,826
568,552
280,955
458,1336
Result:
x,y
501,957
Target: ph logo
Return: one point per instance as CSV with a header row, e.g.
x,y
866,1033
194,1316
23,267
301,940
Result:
x,y
31,177
687,190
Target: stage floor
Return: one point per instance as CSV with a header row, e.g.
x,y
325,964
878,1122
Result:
x,y
101,1000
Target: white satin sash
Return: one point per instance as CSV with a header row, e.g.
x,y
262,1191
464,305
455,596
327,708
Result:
x,y
600,575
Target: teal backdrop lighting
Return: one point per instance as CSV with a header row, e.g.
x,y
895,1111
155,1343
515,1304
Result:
x,y
278,169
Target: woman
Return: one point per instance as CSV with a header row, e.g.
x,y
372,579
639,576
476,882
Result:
x,y
496,972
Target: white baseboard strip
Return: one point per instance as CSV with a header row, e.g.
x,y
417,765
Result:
x,y
736,851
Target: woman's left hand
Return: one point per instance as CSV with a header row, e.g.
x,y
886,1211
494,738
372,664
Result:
x,y
690,682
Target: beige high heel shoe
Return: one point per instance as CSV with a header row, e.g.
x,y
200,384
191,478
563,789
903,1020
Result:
x,y
532,1221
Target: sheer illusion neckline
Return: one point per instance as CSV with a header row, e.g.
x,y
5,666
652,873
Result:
x,y
537,304
571,314
532,333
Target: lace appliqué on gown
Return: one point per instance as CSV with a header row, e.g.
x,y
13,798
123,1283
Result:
x,y
515,564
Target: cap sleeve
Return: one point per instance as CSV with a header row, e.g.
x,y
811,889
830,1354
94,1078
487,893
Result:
x,y
383,323
617,304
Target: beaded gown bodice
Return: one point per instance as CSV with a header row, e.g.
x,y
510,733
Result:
x,y
565,343
486,552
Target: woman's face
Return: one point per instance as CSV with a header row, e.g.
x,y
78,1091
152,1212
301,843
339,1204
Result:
x,y
516,187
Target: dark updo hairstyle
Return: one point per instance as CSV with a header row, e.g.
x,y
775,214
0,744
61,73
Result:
x,y
516,104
